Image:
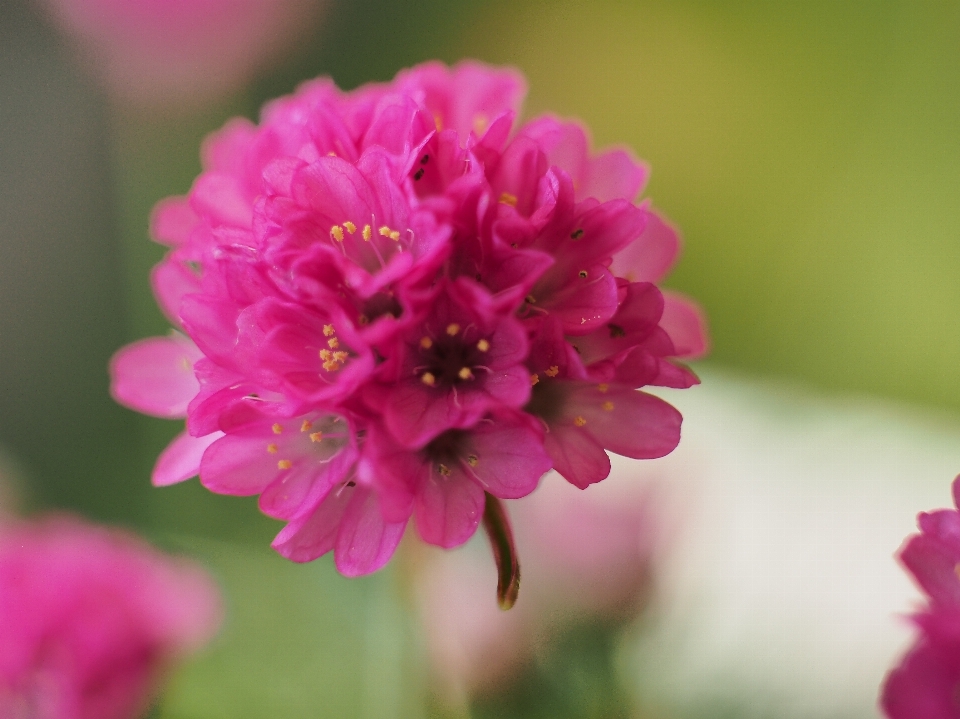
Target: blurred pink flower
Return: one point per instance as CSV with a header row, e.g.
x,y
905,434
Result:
x,y
586,556
156,51
90,617
926,684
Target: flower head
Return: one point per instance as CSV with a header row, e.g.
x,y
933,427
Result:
x,y
397,304
90,617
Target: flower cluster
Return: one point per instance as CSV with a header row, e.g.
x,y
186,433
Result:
x,y
90,617
926,684
394,303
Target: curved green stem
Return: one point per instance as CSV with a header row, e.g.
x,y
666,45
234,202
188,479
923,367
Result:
x,y
497,524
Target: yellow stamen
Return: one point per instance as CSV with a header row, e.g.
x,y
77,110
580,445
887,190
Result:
x,y
480,123
366,233
337,233
395,236
333,343
443,470
340,356
579,421
306,426
552,371
350,227
331,365
465,373
530,300
428,379
277,429
438,121
473,460
384,231
272,448
328,330
507,199
326,355
452,329
483,345
604,387
534,378
426,343
284,464
608,406
316,437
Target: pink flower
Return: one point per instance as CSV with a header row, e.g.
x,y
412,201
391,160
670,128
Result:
x,y
460,304
91,617
176,50
927,681
587,555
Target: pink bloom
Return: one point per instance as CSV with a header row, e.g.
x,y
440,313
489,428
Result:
x,y
156,50
90,619
461,304
586,555
927,681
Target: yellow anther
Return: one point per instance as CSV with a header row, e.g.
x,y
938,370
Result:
x,y
438,121
579,421
473,460
328,330
604,387
331,365
326,355
366,233
284,464
534,378
480,123
507,199
608,406
426,343
452,329
582,274
483,345
316,437
333,343
384,231
350,227
306,426
272,448
443,469
465,373
428,379
277,428
337,232
530,300
340,356
552,371
395,236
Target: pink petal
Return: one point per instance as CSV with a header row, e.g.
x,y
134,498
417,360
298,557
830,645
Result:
x,y
510,459
171,281
614,174
239,464
686,324
448,509
649,257
315,532
155,376
220,197
626,421
365,541
172,220
576,455
181,459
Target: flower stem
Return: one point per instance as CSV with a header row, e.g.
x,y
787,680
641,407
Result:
x,y
497,524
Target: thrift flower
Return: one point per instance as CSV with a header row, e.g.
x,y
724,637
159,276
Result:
x,y
927,681
396,303
91,617
150,51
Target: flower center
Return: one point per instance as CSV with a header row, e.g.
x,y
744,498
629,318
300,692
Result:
x,y
452,357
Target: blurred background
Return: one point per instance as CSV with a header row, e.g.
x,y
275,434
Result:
x,y
810,154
